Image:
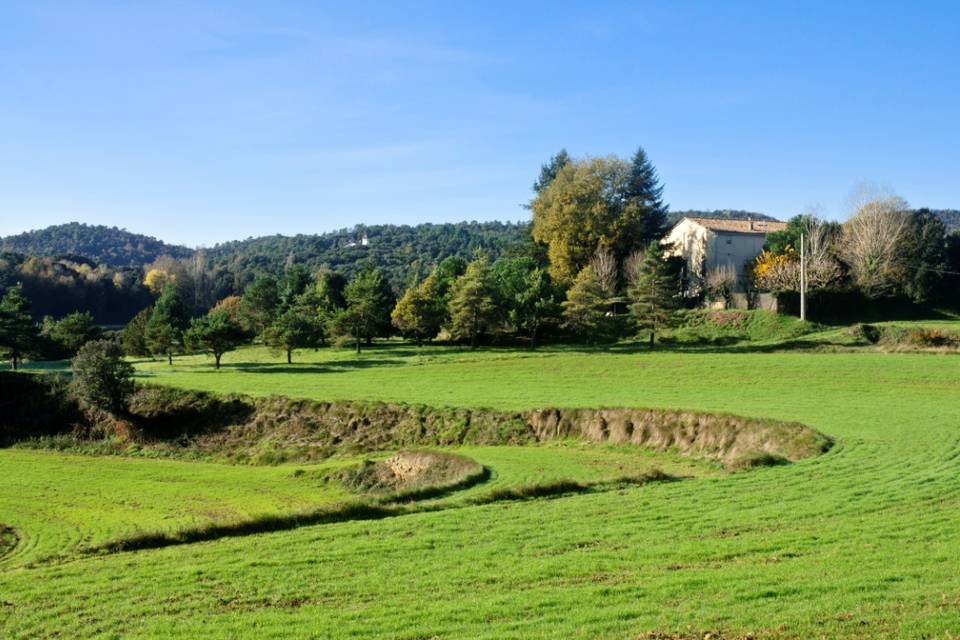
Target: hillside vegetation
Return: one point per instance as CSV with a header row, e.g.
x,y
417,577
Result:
x,y
106,245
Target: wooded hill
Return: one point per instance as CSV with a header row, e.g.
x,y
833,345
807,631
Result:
x,y
116,247
104,245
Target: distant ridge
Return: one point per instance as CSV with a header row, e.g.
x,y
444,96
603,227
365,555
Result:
x,y
390,243
102,244
719,214
950,218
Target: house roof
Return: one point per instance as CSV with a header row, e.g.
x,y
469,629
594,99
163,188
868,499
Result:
x,y
740,226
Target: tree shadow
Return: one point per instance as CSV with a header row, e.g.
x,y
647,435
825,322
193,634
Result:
x,y
336,366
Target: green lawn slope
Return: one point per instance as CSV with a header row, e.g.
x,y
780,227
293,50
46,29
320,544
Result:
x,y
859,542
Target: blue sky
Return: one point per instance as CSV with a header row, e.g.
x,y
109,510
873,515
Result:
x,y
202,122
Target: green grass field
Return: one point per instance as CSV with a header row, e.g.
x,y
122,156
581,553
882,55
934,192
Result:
x,y
863,541
63,503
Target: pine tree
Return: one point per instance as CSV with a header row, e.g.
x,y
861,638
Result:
x,y
473,310
644,199
170,317
525,295
217,333
133,338
550,170
585,309
299,327
70,332
417,312
655,291
368,308
18,332
261,299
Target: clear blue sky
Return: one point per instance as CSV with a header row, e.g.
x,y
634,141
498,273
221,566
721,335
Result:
x,y
201,122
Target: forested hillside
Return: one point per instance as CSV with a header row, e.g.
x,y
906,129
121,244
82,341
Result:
x,y
950,218
105,245
58,286
399,251
102,269
727,214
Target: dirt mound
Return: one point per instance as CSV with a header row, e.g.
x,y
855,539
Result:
x,y
733,440
409,470
310,429
277,429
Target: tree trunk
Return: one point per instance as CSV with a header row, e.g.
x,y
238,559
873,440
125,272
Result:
x,y
419,340
358,344
216,360
651,339
170,358
289,359
13,362
476,329
533,338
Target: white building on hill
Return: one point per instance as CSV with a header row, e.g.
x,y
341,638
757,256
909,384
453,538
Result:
x,y
707,243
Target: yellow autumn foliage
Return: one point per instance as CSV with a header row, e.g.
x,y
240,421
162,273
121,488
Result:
x,y
157,279
768,262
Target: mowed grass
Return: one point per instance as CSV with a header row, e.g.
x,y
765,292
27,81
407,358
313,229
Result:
x,y
61,504
58,503
860,542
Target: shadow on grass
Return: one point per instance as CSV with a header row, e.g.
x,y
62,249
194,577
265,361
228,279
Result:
x,y
371,509
334,366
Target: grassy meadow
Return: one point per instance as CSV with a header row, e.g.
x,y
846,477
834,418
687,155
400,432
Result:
x,y
62,503
859,542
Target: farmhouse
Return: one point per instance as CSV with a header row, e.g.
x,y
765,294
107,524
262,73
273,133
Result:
x,y
709,243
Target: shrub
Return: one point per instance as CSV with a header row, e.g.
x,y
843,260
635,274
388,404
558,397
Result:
x,y
931,338
102,379
866,332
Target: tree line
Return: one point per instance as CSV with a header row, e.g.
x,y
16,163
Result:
x,y
885,250
588,267
113,274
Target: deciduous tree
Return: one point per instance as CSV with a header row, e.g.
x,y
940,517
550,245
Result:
x,y
597,203
417,312
874,244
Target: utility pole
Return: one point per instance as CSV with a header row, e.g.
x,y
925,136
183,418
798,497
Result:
x,y
803,281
